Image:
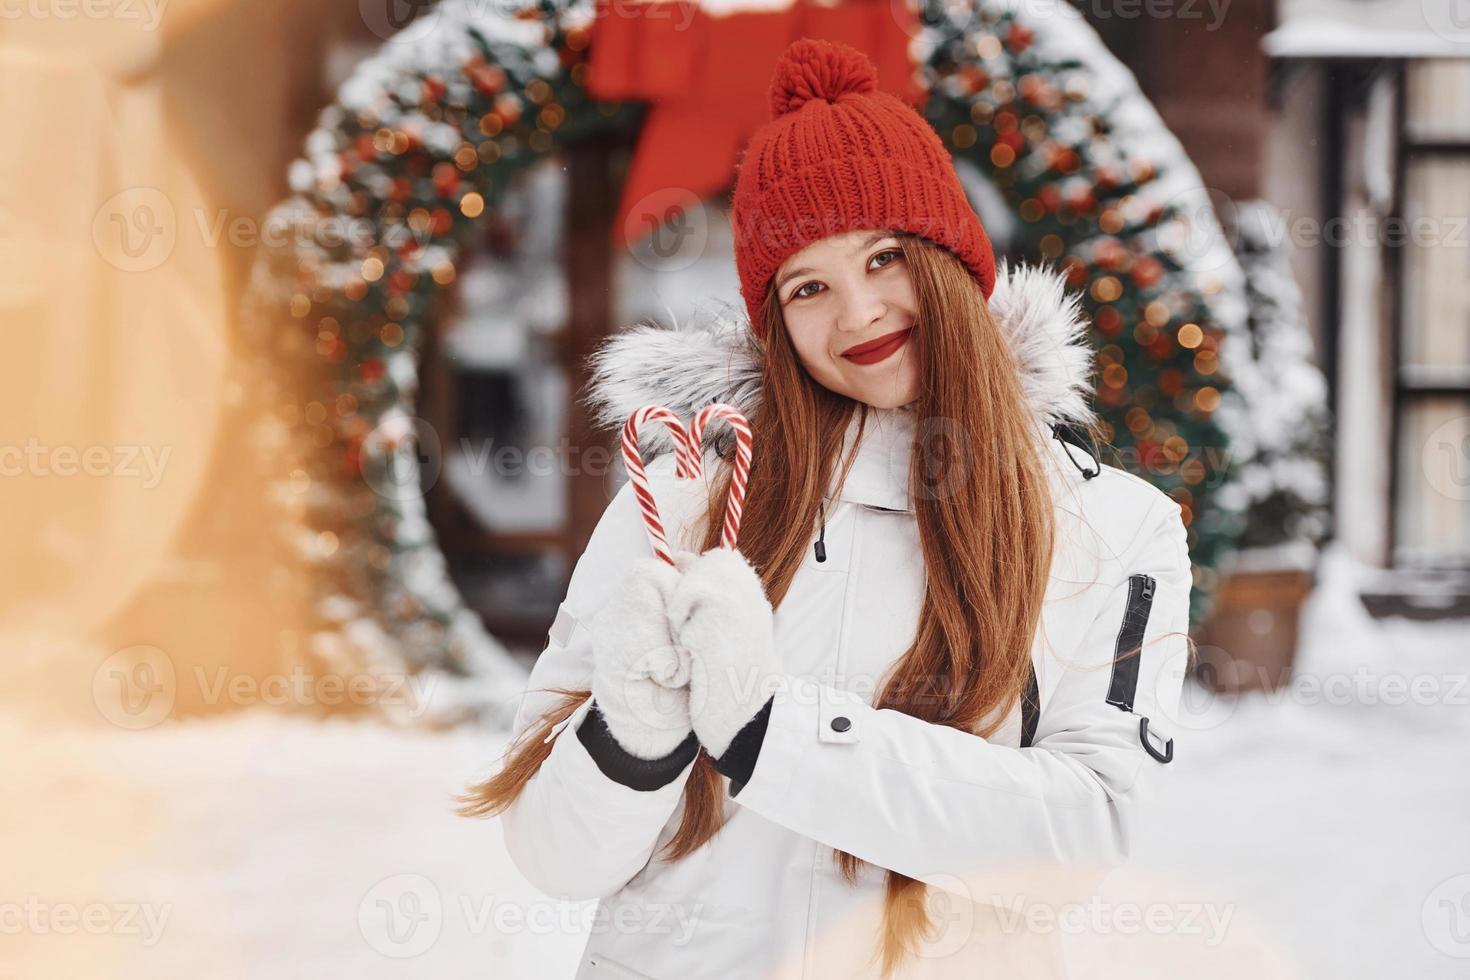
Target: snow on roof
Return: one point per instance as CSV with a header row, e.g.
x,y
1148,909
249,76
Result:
x,y
1371,28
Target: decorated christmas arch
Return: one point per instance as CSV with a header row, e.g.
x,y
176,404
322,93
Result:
x,y
429,133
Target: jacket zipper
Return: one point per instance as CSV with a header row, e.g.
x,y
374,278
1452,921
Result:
x,y
1126,652
1123,686
822,853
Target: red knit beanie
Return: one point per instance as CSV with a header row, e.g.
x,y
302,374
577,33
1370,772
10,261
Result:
x,y
838,155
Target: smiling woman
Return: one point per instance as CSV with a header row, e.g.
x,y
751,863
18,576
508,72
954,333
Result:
x,y
848,303
927,704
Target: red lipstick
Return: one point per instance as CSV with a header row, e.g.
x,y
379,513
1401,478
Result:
x,y
879,348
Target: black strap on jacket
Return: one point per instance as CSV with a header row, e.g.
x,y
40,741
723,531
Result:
x,y
1123,685
1070,434
1030,708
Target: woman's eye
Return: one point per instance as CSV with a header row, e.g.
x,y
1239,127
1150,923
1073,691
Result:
x,y
895,252
800,291
797,292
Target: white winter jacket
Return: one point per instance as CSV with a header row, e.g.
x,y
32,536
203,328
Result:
x,y
995,826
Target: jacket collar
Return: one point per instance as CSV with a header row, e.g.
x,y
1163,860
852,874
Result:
x,y
713,357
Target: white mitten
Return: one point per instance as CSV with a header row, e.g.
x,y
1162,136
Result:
x,y
720,614
639,677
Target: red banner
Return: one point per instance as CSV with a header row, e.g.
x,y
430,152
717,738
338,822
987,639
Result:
x,y
706,79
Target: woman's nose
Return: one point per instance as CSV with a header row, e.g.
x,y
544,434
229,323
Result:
x,y
862,309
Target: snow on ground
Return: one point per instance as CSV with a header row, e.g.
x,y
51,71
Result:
x,y
265,847
1328,822
1335,809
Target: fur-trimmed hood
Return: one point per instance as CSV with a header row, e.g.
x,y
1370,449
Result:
x,y
713,357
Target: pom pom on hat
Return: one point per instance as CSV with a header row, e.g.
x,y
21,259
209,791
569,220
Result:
x,y
822,70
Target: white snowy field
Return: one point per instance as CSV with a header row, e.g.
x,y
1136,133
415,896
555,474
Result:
x,y
1325,826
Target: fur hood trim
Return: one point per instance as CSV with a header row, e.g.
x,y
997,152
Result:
x,y
713,356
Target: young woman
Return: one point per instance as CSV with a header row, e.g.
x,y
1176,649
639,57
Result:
x,y
942,656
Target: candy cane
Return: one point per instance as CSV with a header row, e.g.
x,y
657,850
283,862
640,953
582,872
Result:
x,y
689,466
735,499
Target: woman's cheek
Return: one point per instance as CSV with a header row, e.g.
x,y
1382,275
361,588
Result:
x,y
808,347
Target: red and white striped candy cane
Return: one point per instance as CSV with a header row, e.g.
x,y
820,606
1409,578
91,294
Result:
x,y
735,499
689,466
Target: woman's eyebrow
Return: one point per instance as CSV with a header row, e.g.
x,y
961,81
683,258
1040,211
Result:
x,y
793,273
790,276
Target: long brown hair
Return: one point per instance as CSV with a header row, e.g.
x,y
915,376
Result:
x,y
984,513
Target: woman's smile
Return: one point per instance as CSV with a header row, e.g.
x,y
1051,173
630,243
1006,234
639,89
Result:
x,y
879,348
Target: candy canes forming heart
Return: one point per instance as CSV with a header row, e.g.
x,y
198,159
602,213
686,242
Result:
x,y
690,466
